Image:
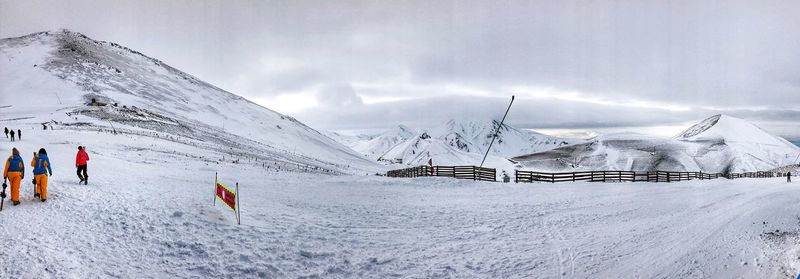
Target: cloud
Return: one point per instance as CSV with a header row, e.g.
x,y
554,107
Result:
x,y
338,96
573,63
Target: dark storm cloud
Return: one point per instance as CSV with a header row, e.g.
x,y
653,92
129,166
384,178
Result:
x,y
572,63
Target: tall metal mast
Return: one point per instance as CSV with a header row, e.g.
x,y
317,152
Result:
x,y
497,131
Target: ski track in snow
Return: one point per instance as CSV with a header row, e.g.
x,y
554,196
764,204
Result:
x,y
149,214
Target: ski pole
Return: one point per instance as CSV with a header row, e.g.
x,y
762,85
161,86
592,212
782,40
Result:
x,y
3,194
34,177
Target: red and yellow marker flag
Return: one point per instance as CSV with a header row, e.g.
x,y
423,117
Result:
x,y
226,195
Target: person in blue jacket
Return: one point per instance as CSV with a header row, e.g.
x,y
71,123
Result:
x,y
14,172
41,167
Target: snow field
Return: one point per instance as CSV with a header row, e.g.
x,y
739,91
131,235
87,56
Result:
x,y
147,213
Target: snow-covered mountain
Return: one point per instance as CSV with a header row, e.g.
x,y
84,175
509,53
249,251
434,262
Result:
x,y
747,146
464,143
62,72
375,147
718,144
348,140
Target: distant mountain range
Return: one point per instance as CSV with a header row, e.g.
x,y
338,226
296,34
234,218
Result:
x,y
717,144
452,142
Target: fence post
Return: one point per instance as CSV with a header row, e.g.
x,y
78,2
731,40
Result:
x,y
474,173
238,206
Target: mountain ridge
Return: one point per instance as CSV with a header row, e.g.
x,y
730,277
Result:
x,y
76,69
719,143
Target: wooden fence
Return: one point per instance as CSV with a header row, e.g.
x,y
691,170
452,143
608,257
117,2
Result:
x,y
458,172
629,176
489,174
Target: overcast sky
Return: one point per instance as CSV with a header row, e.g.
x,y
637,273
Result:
x,y
374,64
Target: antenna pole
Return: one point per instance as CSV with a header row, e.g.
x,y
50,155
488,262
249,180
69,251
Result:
x,y
497,131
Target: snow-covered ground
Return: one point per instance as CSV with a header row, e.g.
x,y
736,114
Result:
x,y
148,212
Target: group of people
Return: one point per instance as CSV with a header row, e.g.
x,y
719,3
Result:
x,y
18,134
14,172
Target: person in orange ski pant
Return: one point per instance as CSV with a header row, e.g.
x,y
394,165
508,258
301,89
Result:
x,y
14,172
41,167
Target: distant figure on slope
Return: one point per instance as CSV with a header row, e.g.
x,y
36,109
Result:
x,y
12,135
6,132
19,134
41,167
14,173
789,176
80,163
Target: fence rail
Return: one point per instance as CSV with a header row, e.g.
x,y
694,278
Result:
x,y
630,176
458,172
489,174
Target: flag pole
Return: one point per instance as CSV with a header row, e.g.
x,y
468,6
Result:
x,y
238,206
216,179
497,131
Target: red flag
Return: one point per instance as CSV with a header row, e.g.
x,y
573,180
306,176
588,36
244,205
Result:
x,y
430,162
226,195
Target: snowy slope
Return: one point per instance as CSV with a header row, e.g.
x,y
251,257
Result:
x,y
749,146
378,145
717,144
144,216
62,71
348,140
373,146
732,130
461,142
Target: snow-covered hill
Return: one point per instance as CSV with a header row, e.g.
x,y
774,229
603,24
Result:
x,y
465,142
718,144
375,147
52,76
346,139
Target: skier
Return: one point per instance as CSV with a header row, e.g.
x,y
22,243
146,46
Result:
x,y
788,177
12,135
6,132
41,167
15,173
80,163
19,134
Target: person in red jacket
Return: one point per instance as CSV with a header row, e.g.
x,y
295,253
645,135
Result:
x,y
80,163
